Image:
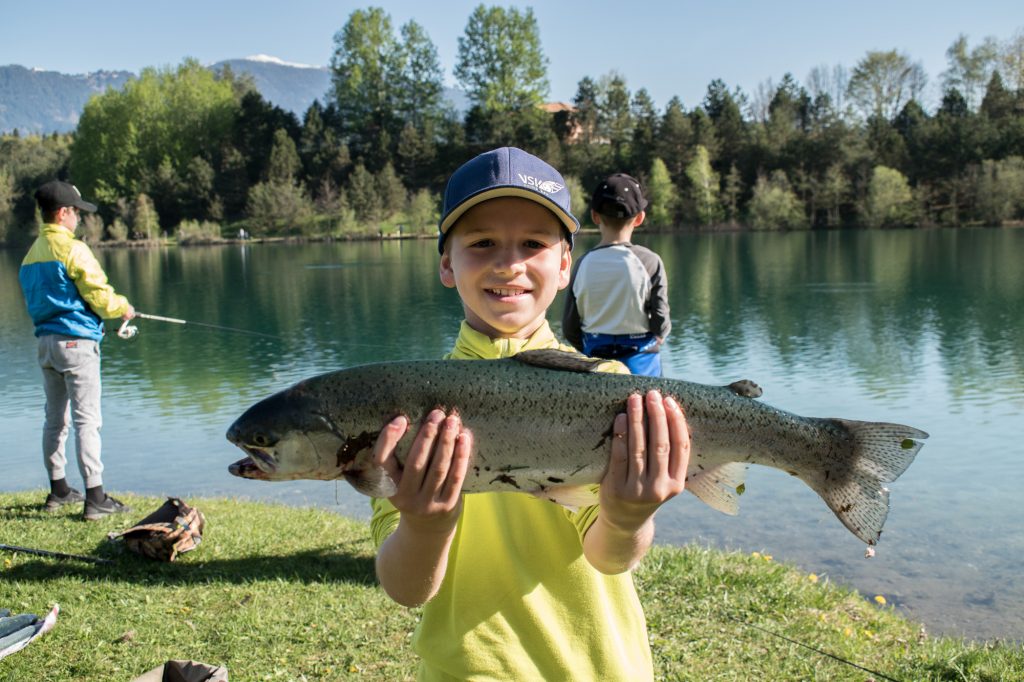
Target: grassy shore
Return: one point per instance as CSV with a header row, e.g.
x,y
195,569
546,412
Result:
x,y
279,593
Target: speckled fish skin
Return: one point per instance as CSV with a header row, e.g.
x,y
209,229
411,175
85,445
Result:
x,y
541,424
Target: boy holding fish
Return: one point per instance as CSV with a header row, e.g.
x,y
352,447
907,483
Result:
x,y
515,587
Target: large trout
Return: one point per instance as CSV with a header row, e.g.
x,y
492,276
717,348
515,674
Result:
x,y
542,422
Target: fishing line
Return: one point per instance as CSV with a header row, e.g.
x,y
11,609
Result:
x,y
127,331
807,646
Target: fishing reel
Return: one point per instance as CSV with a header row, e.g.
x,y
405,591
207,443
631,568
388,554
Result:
x,y
127,330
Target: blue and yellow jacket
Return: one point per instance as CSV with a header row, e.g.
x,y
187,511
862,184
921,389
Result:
x,y
65,288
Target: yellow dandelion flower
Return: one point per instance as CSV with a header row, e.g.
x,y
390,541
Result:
x,y
767,557
756,555
848,632
880,600
869,634
813,578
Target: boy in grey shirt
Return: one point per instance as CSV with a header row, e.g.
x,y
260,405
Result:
x,y
617,301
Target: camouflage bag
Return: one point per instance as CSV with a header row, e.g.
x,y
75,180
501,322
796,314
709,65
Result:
x,y
173,529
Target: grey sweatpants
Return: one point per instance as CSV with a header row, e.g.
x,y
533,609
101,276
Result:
x,y
71,378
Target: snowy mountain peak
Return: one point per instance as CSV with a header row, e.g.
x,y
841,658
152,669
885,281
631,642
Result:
x,y
267,59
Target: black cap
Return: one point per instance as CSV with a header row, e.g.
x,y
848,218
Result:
x,y
618,196
56,194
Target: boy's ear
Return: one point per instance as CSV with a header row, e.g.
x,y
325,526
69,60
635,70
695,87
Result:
x,y
639,219
565,266
445,270
595,217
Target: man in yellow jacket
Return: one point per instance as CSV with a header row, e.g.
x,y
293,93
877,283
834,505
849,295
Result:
x,y
68,297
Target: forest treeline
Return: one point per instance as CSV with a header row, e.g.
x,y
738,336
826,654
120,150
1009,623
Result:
x,y
188,152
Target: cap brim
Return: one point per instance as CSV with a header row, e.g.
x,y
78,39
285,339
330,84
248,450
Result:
x,y
85,206
567,220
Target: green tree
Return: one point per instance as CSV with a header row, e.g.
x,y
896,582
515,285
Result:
x,y
731,191
579,201
775,206
325,157
704,188
29,162
364,197
393,196
1000,190
144,218
645,130
163,116
662,196
969,69
889,203
277,208
500,62
1011,61
198,198
284,165
8,195
279,203
723,109
422,212
833,192
615,119
381,82
674,139
882,82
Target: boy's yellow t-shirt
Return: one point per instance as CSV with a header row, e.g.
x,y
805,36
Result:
x,y
519,600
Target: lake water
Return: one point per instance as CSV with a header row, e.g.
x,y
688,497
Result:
x,y
919,327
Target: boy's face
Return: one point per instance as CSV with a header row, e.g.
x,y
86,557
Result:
x,y
508,259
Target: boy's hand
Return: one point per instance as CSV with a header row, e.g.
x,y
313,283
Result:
x,y
430,482
648,463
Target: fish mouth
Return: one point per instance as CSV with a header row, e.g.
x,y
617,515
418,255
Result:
x,y
258,465
246,468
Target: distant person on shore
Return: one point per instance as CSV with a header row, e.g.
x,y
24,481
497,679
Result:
x,y
616,306
68,297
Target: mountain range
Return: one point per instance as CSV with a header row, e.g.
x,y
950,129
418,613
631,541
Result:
x,y
33,101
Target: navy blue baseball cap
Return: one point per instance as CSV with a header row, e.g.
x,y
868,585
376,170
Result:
x,y
505,172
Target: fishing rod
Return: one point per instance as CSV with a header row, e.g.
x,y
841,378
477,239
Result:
x,y
128,330
55,555
814,649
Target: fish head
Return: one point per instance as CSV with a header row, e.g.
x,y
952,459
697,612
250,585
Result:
x,y
286,437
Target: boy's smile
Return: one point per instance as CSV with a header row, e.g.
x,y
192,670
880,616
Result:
x,y
507,258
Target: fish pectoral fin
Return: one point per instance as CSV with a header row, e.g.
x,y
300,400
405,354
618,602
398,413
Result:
x,y
745,388
371,481
720,486
572,497
552,358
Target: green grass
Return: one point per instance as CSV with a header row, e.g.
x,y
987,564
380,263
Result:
x,y
279,593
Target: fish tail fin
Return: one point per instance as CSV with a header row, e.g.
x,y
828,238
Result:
x,y
880,453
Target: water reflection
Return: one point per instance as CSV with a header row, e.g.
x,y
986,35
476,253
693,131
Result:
x,y
921,327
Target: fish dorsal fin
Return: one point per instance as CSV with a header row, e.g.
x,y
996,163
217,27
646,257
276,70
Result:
x,y
719,487
745,388
553,358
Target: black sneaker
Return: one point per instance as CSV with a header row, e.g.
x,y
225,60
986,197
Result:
x,y
55,502
95,511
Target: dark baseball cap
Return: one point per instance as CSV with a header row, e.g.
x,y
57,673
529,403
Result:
x,y
505,172
56,194
618,196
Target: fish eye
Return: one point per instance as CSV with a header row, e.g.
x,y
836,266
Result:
x,y
261,440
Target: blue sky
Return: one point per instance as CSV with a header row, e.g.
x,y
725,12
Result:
x,y
671,48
